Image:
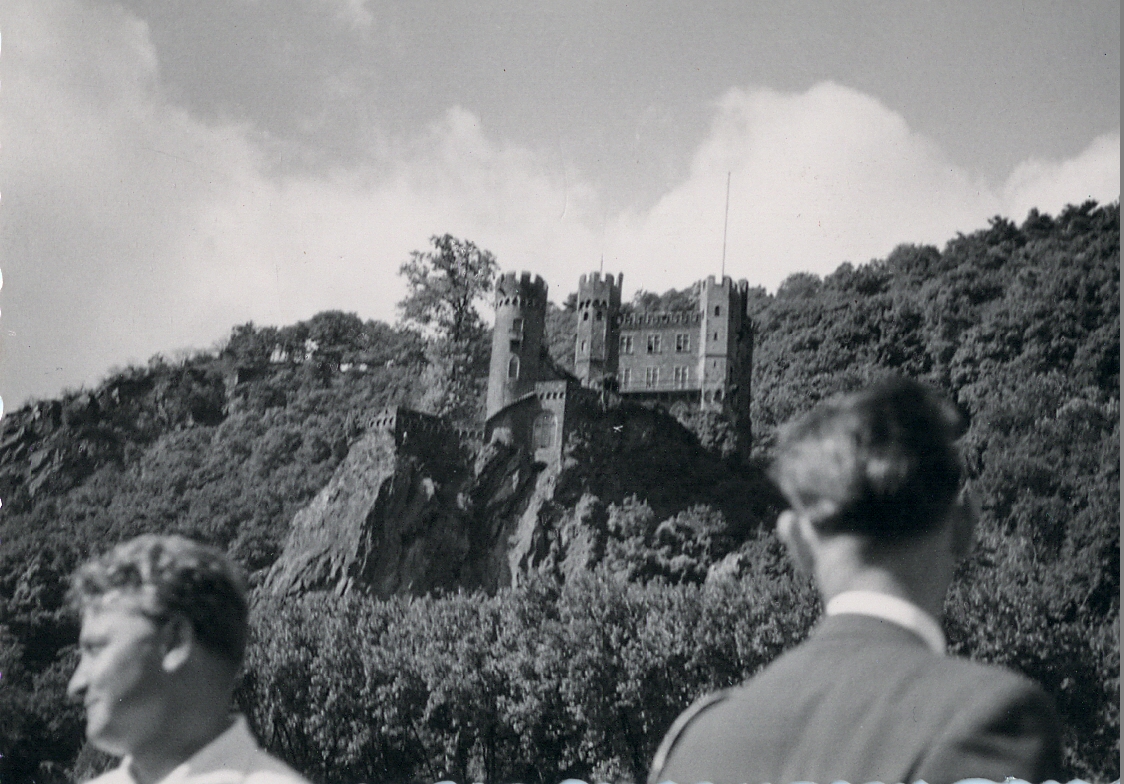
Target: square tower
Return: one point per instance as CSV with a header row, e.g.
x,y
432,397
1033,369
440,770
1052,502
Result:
x,y
598,328
725,349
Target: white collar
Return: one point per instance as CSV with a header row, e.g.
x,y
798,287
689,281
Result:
x,y
892,609
234,748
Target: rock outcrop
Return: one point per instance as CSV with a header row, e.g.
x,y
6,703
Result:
x,y
411,510
409,513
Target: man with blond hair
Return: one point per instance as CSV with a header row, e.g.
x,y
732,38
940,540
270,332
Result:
x,y
878,517
164,626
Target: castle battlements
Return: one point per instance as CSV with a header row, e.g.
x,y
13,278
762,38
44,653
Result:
x,y
597,292
671,318
521,291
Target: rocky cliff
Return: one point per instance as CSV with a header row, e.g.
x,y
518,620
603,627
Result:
x,y
410,516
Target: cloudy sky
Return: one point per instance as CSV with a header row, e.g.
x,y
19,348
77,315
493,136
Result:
x,y
170,168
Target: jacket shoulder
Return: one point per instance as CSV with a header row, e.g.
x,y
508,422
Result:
x,y
1003,725
676,730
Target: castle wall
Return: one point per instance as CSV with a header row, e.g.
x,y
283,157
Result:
x,y
423,435
703,357
538,420
548,430
659,352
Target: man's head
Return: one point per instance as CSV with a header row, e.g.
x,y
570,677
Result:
x,y
875,476
164,624
879,463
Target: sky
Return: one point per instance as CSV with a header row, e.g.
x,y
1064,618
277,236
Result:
x,y
172,168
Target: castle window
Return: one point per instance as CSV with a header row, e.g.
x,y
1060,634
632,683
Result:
x,y
543,435
513,368
682,377
683,342
626,344
717,310
626,378
716,336
599,315
653,344
517,328
651,377
585,316
583,347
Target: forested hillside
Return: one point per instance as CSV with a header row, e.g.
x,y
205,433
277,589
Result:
x,y
581,676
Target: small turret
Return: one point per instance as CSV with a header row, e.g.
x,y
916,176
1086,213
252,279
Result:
x,y
517,338
597,341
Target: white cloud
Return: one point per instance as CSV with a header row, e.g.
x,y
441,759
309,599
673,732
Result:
x,y
131,227
827,176
1050,185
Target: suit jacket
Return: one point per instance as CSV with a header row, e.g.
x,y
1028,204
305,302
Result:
x,y
866,700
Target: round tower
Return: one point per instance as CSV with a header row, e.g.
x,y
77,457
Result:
x,y
596,346
517,339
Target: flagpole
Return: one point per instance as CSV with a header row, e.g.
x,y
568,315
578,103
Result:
x,y
725,225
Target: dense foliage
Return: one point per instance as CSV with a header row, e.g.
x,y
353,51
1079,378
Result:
x,y
1017,323
535,684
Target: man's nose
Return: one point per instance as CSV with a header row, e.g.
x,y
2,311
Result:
x,y
77,684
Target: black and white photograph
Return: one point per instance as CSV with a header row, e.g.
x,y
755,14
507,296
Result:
x,y
559,393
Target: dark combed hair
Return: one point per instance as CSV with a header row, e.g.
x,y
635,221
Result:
x,y
882,462
173,574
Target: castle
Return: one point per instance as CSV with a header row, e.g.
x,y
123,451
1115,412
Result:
x,y
701,357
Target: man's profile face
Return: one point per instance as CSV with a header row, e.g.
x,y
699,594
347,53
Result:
x,y
120,678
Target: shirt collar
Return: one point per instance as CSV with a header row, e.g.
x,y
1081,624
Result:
x,y
233,748
892,609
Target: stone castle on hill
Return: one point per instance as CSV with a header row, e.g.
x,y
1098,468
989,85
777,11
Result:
x,y
701,357
411,509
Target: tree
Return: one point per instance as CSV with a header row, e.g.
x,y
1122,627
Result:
x,y
445,285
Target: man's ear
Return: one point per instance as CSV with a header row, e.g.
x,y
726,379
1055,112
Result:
x,y
792,529
179,642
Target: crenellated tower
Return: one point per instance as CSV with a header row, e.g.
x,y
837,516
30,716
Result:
x,y
517,339
726,350
598,328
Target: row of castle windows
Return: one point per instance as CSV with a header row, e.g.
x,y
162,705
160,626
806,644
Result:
x,y
681,378
655,343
